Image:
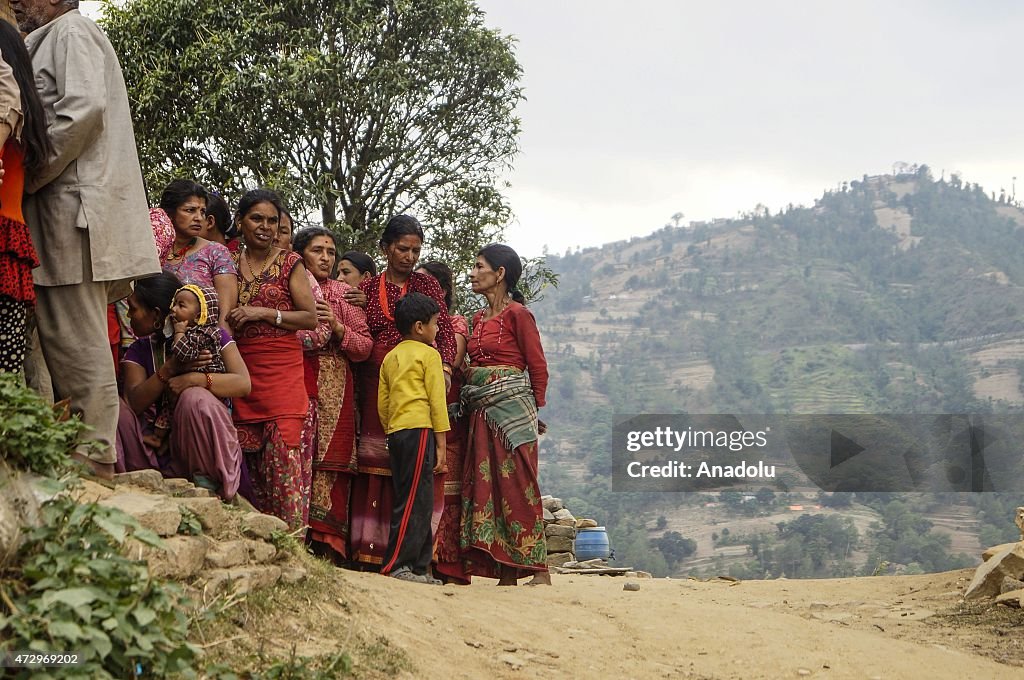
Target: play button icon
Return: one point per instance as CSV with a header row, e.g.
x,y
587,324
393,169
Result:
x,y
842,449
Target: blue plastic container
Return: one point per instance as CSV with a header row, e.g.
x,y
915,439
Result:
x,y
592,543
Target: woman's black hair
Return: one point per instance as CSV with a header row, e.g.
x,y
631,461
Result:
x,y
177,192
304,237
399,226
156,293
499,255
34,138
255,196
217,207
443,274
363,262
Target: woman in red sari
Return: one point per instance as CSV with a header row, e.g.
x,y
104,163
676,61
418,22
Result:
x,y
274,301
448,486
340,339
502,516
372,495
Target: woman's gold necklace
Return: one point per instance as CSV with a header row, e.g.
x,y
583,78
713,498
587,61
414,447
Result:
x,y
251,288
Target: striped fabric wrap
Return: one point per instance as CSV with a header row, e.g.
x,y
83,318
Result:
x,y
504,395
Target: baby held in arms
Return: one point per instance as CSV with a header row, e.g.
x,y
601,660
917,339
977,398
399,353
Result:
x,y
194,315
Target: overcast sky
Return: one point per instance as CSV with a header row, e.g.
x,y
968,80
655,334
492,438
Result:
x,y
636,111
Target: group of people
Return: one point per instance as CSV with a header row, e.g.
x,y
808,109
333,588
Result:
x,y
222,348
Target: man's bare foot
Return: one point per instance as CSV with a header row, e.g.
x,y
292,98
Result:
x,y
101,470
540,579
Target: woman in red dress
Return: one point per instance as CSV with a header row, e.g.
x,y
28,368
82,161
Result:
x,y
274,301
502,515
340,339
372,495
25,147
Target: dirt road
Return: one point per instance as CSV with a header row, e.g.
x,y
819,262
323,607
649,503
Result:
x,y
908,627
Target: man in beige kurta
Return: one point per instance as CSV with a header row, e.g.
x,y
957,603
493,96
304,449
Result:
x,y
87,210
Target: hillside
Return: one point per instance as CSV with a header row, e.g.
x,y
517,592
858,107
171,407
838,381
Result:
x,y
891,294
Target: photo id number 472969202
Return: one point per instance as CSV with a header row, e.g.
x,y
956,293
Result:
x,y
30,659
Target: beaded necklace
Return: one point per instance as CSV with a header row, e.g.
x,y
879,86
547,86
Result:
x,y
478,330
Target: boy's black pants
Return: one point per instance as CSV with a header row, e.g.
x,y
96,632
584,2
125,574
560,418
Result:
x,y
410,543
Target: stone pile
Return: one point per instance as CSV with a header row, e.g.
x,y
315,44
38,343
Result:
x,y
560,531
213,547
1002,572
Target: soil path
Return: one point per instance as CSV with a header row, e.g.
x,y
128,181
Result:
x,y
588,626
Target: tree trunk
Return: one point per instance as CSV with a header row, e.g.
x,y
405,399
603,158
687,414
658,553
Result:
x,y
328,214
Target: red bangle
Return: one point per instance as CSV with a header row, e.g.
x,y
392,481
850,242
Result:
x,y
209,381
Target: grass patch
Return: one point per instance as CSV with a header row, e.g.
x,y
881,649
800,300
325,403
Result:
x,y
303,630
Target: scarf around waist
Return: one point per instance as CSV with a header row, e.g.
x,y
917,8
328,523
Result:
x,y
504,395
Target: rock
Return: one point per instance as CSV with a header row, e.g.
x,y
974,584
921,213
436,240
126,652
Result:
x,y
988,578
548,516
155,513
988,554
196,492
1013,598
558,544
586,524
175,485
552,504
227,554
210,511
559,530
262,526
513,661
559,559
293,574
260,552
181,557
146,479
242,580
631,587
1010,584
19,509
803,672
565,518
644,574
89,491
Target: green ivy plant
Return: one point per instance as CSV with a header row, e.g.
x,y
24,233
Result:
x,y
190,524
31,436
77,592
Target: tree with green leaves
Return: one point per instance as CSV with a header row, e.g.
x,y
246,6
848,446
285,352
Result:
x,y
354,110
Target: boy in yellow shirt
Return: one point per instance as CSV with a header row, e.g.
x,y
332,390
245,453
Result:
x,y
411,402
